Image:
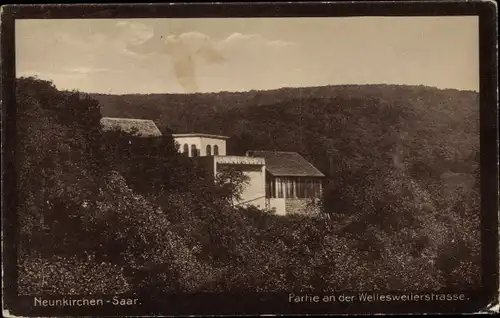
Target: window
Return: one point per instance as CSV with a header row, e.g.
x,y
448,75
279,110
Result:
x,y
300,188
308,189
317,188
186,150
303,186
289,187
294,187
279,186
209,150
216,150
194,151
272,184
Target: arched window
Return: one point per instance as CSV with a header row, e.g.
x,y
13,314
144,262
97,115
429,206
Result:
x,y
186,150
216,150
209,150
194,151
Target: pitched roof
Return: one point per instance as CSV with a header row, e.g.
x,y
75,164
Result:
x,y
144,127
280,163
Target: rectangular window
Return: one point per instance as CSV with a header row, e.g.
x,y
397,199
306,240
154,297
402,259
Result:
x,y
279,186
297,187
272,183
289,188
285,188
311,189
303,185
316,188
300,192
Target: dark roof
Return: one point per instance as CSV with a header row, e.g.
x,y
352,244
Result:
x,y
144,127
280,163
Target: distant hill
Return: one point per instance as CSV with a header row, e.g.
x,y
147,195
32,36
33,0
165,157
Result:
x,y
339,128
172,109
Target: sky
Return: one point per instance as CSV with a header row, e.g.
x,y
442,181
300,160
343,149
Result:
x,y
127,56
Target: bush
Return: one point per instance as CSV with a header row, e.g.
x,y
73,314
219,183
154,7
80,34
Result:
x,y
69,276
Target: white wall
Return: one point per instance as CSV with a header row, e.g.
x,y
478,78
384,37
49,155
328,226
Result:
x,y
221,143
254,192
188,140
201,144
279,204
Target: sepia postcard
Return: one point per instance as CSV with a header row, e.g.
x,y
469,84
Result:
x,y
249,159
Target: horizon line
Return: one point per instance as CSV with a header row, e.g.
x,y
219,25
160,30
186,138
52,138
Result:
x,y
256,90
285,87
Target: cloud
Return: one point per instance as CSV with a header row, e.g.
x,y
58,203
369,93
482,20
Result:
x,y
254,40
86,70
185,52
62,80
84,41
66,39
280,44
135,32
28,73
195,44
211,55
63,74
196,40
189,51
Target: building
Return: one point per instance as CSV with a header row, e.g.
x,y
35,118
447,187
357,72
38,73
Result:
x,y
293,184
195,145
281,181
141,133
210,151
139,127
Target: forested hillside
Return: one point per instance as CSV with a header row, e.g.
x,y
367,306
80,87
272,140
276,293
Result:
x,y
98,216
324,123
349,132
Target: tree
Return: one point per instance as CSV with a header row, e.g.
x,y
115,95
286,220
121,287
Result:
x,y
232,183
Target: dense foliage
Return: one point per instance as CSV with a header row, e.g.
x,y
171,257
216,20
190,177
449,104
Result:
x,y
110,212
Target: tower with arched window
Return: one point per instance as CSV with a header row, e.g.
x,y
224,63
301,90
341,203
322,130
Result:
x,y
201,145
